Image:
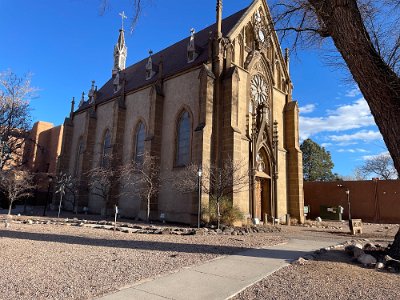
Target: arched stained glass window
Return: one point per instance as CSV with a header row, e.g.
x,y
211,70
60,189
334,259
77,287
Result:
x,y
183,140
139,142
78,158
107,147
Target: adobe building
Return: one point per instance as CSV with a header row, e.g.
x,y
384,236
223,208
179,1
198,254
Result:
x,y
221,93
42,148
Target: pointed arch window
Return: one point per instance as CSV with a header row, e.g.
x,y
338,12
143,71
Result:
x,y
107,148
140,135
78,158
183,140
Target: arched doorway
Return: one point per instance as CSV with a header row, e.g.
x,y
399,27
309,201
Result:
x,y
263,186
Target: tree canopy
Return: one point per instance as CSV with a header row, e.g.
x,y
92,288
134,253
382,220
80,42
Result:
x,y
317,162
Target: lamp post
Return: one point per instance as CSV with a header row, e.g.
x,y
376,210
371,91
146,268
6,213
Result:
x,y
348,202
199,173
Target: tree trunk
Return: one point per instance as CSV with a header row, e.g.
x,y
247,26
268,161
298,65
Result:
x,y
10,208
377,81
395,248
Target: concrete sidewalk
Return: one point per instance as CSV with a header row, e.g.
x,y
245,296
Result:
x,y
220,278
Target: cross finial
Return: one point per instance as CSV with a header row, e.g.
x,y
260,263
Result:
x,y
123,16
192,31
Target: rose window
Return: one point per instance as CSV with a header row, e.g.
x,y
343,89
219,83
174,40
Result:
x,y
259,90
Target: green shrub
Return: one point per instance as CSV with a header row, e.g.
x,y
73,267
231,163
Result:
x,y
229,213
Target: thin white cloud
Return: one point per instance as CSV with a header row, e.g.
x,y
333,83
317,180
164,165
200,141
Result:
x,y
348,143
306,109
353,92
358,150
362,135
368,157
326,145
346,117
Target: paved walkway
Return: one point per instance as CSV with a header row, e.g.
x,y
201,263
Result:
x,y
220,278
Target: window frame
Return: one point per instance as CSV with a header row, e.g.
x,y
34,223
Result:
x,y
140,125
106,150
177,161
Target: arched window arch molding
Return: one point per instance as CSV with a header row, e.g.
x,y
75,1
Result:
x,y
139,135
266,153
183,144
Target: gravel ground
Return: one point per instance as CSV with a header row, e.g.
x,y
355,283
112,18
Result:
x,y
332,276
69,262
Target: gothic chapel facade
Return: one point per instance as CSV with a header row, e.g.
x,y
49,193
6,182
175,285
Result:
x,y
223,93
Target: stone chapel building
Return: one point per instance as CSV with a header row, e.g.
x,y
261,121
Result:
x,y
223,92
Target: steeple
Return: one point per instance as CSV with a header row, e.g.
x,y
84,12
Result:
x,y
120,49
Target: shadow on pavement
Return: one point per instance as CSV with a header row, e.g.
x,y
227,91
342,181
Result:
x,y
153,245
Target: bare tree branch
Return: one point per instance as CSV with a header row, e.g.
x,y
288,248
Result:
x,y
144,178
380,165
15,119
16,185
219,182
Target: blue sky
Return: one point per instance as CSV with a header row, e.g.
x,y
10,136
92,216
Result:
x,y
67,43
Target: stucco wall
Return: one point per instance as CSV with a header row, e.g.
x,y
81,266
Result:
x,y
180,92
137,110
370,201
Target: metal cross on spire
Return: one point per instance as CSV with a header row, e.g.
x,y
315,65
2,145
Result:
x,y
123,16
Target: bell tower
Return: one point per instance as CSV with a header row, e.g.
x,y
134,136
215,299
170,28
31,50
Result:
x,y
120,49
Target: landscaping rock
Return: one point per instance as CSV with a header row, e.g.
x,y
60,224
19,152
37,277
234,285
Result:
x,y
357,252
300,261
366,259
380,266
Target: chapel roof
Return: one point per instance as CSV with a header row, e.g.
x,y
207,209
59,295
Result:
x,y
174,59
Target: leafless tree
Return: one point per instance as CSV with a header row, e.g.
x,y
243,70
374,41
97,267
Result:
x,y
101,179
15,94
143,177
16,185
367,36
380,165
219,182
64,184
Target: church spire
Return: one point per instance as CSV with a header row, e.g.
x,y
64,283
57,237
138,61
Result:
x,y
120,49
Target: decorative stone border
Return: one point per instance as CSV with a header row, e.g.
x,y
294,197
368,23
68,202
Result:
x,y
151,229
